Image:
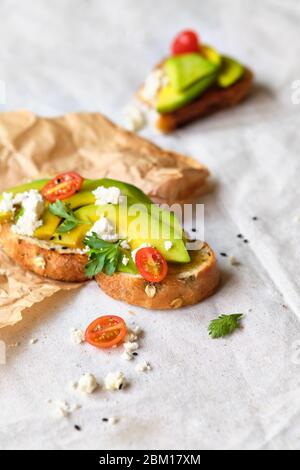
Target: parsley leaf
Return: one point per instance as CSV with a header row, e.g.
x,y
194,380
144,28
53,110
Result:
x,y
224,325
64,212
103,256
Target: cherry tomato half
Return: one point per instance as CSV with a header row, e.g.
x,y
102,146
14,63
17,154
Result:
x,y
106,332
62,186
151,264
184,42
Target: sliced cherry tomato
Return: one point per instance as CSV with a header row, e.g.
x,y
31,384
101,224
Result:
x,y
106,331
62,186
151,264
184,42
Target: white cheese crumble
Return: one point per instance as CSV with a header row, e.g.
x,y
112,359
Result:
x,y
168,245
33,206
127,356
77,335
104,229
125,260
135,119
143,367
115,381
113,420
6,204
87,383
39,262
125,245
153,83
131,346
134,252
107,195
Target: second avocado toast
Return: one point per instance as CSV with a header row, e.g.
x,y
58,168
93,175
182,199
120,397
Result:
x,y
73,229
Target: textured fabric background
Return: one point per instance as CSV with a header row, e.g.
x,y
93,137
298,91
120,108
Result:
x,y
239,392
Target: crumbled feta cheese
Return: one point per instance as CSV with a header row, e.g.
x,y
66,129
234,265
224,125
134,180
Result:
x,y
131,346
104,229
136,329
6,204
150,290
40,262
107,195
33,207
64,408
153,83
33,341
168,245
143,367
134,252
113,420
125,245
115,381
135,119
130,337
127,356
87,383
125,260
77,336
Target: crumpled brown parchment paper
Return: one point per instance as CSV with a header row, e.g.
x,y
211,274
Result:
x,y
32,147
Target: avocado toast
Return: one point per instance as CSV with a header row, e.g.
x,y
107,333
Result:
x,y
194,81
74,229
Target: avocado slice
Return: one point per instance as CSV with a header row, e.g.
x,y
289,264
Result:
x,y
186,69
132,224
170,100
211,54
231,71
85,197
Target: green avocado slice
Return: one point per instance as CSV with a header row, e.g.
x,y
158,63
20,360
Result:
x,y
186,69
170,100
231,71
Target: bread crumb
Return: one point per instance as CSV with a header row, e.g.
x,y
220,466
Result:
x,y
233,261
177,303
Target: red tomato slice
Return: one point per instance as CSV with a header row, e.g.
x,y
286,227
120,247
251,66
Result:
x,y
151,264
62,186
184,42
106,332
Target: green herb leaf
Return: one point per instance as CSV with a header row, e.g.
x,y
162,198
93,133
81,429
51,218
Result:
x,y
103,256
224,325
65,212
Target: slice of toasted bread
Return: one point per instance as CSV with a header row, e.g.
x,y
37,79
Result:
x,y
36,256
184,284
213,99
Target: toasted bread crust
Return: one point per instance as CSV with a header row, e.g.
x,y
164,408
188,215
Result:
x,y
68,267
212,100
174,292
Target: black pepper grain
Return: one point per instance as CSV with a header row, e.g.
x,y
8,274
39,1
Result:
x,y
105,420
78,428
223,254
240,235
246,241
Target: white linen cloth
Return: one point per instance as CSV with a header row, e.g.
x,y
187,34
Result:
x,y
239,392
